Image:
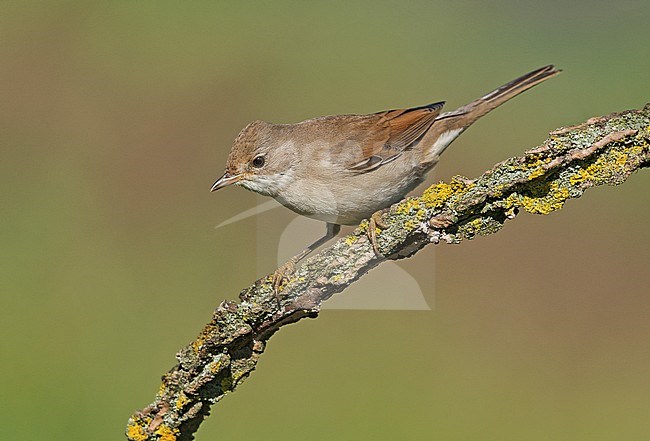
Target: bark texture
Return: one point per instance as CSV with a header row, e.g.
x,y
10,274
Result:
x,y
603,150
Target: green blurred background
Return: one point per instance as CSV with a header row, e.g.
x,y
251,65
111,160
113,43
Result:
x,y
116,117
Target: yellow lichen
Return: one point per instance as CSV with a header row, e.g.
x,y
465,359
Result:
x,y
363,226
351,239
162,389
498,190
410,225
602,169
166,433
620,159
197,344
473,227
540,198
135,432
182,401
215,366
552,201
438,194
544,198
238,374
580,176
408,206
536,173
208,331
533,163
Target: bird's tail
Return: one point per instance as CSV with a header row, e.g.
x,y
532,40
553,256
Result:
x,y
449,125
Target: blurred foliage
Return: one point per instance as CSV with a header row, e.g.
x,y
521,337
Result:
x,y
116,117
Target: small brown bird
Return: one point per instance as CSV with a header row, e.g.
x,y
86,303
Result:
x,y
343,168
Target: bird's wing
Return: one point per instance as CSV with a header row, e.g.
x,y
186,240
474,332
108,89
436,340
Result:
x,y
389,133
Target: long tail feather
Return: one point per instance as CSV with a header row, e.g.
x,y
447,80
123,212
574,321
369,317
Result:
x,y
449,125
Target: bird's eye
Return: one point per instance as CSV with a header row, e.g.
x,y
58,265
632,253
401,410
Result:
x,y
258,161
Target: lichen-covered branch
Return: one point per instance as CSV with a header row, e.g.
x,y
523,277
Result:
x,y
603,150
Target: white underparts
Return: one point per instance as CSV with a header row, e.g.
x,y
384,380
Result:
x,y
442,142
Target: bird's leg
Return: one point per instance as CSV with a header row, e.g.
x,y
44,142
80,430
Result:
x,y
282,273
375,222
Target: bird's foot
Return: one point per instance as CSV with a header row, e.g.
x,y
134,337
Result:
x,y
376,222
281,275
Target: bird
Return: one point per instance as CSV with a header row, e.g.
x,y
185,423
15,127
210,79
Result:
x,y
342,169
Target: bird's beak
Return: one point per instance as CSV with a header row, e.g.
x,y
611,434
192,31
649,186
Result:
x,y
225,180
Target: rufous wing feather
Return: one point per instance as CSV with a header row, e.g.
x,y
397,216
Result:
x,y
401,129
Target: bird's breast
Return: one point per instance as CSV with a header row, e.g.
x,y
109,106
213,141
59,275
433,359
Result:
x,y
346,198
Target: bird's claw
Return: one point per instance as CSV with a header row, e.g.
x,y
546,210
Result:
x,y
282,275
375,222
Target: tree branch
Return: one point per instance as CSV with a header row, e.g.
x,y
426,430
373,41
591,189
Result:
x,y
604,150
